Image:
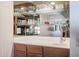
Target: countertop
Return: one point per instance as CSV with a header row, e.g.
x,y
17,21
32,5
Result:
x,y
43,41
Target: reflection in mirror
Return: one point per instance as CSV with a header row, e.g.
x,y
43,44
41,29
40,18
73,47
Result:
x,y
43,18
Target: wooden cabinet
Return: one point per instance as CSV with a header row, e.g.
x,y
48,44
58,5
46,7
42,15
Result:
x,y
20,53
33,50
39,51
55,52
20,50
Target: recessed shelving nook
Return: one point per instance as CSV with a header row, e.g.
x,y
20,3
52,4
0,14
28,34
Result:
x,y
44,18
26,25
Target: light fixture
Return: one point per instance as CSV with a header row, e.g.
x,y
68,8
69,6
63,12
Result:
x,y
53,3
22,8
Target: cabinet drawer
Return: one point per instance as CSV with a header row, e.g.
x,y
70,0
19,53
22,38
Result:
x,y
34,55
20,47
20,54
56,52
34,49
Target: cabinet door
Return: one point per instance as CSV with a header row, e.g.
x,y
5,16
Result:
x,y
20,50
34,55
20,53
56,52
34,51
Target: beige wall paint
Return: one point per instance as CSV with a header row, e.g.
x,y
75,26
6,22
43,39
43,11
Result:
x,y
6,28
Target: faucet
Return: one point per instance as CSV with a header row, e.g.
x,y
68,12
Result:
x,y
63,39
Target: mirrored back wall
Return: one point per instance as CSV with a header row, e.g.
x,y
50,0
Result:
x,y
42,18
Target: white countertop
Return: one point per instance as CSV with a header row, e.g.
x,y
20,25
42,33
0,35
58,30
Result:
x,y
43,41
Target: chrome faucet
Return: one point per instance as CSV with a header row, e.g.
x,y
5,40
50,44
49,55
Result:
x,y
63,39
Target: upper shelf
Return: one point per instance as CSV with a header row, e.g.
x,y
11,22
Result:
x,y
39,7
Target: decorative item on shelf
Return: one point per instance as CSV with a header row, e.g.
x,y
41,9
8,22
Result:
x,y
51,28
30,21
18,30
23,22
19,22
37,30
46,22
57,32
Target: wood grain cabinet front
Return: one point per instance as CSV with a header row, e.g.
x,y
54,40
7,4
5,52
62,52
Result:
x,y
55,52
34,51
20,54
20,50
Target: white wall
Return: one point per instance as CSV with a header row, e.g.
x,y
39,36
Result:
x,y
74,24
6,28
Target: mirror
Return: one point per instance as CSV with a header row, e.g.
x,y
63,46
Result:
x,y
42,18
